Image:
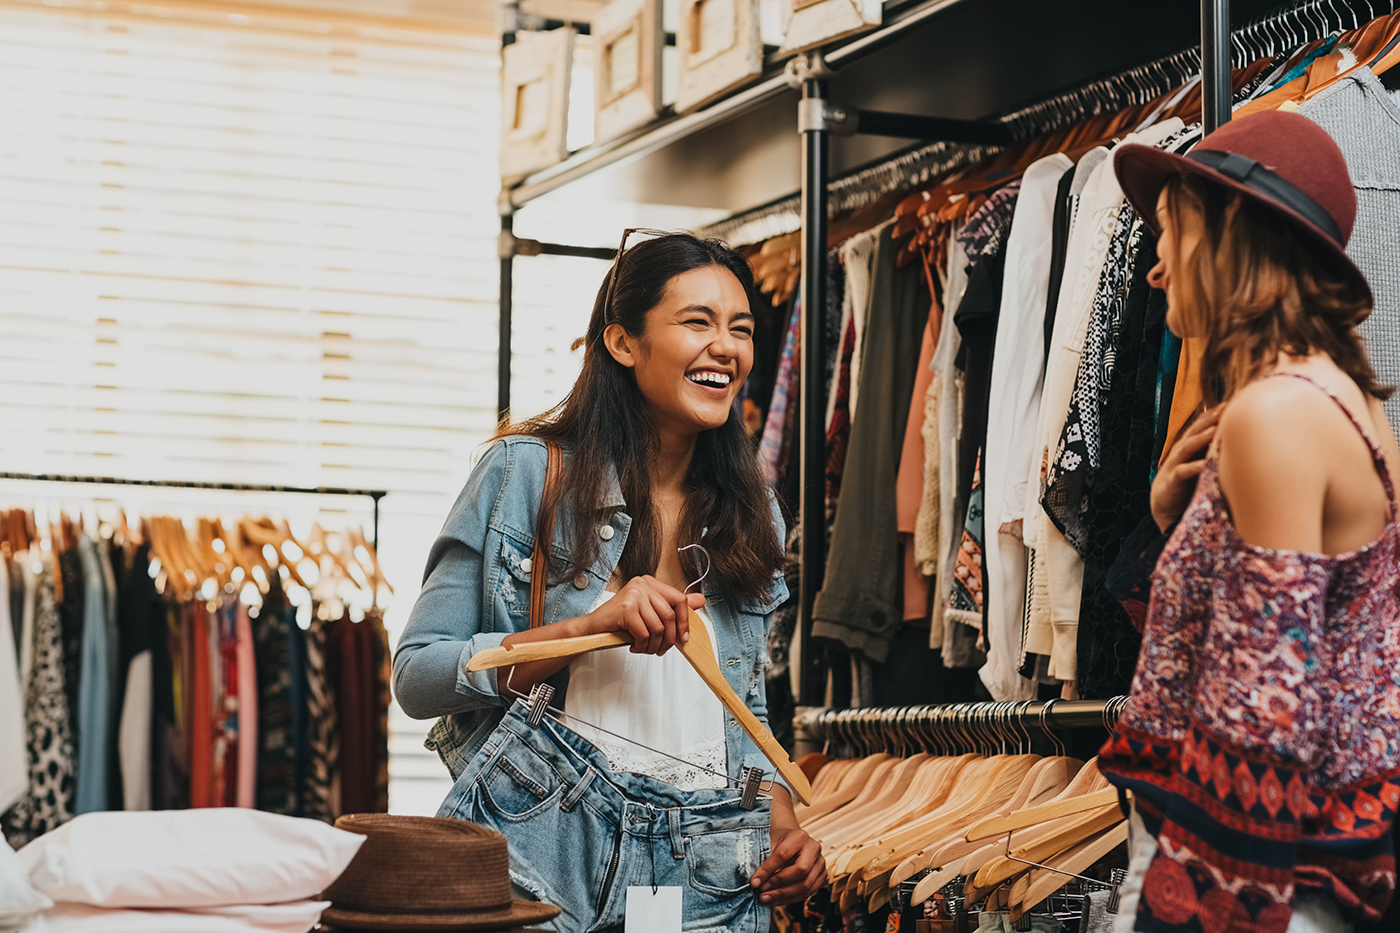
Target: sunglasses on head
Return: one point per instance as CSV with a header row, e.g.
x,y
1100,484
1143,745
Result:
x,y
608,316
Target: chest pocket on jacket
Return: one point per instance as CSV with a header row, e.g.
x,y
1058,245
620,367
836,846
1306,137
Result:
x,y
762,605
517,570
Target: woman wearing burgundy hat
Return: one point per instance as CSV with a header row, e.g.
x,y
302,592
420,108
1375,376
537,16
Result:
x,y
1262,738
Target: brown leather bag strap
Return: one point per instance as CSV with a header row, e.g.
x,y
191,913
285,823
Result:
x,y
544,534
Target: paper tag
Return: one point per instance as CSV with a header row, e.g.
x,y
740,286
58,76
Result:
x,y
648,912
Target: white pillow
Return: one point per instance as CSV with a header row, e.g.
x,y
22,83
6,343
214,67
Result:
x,y
188,858
18,899
296,917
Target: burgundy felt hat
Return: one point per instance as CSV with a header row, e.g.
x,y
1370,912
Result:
x,y
1283,160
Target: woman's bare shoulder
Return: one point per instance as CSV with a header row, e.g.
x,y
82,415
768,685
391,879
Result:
x,y
1275,439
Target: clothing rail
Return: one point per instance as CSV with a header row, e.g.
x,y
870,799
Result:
x,y
1294,24
809,212
975,724
1304,19
374,494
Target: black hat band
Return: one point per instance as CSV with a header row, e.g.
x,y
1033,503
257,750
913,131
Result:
x,y
1271,185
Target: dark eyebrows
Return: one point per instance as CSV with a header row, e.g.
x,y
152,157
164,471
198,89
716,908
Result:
x,y
710,312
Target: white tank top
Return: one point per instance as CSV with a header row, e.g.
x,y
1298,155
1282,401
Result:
x,y
660,702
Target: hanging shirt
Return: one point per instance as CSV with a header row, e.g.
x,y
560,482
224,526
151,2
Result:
x,y
658,702
1094,225
95,687
1014,394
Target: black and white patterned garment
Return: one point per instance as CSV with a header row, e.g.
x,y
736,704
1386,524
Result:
x,y
323,729
1077,452
48,803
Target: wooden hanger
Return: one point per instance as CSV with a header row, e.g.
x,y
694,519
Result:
x,y
935,785
994,780
930,789
358,540
992,796
263,532
700,652
855,781
938,782
1050,777
1037,821
317,546
830,777
1063,834
1041,882
855,822
1033,816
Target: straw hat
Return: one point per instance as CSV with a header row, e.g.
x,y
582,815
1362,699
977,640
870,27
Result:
x,y
1280,159
426,873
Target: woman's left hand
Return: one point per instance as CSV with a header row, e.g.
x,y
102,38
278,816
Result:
x,y
793,872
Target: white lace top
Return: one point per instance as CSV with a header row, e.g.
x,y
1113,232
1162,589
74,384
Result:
x,y
660,702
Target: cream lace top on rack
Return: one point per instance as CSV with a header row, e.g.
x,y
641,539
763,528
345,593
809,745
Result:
x,y
659,702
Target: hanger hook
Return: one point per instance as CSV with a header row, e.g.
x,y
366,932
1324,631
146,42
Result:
x,y
707,564
1045,727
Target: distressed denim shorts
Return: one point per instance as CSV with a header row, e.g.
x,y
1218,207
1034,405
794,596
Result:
x,y
581,834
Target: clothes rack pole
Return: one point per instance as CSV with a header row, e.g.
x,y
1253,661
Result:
x,y
503,329
905,722
1215,64
373,494
812,514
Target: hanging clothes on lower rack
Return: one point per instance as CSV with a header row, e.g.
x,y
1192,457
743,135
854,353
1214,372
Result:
x,y
188,667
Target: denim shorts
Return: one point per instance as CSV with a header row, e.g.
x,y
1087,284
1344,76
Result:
x,y
580,834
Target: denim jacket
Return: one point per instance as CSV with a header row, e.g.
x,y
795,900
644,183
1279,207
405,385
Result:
x,y
476,591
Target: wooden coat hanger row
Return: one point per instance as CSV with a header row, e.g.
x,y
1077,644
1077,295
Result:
x,y
882,820
699,651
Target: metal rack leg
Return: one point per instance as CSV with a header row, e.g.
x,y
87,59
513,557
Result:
x,y
1215,64
503,350
376,520
816,170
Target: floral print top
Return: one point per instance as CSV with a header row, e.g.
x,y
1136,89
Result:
x,y
1262,736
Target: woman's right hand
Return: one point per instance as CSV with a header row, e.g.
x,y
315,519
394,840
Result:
x,y
1176,479
657,616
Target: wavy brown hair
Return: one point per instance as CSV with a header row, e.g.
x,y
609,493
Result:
x,y
1257,288
604,424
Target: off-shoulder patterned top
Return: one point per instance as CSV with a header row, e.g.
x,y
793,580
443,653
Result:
x,y
1262,736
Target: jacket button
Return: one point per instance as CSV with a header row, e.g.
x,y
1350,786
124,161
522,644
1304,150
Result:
x,y
606,532
581,581
527,565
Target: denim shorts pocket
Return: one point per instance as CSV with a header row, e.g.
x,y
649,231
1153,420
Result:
x,y
721,863
516,787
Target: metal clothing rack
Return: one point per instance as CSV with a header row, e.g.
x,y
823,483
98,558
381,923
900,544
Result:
x,y
953,725
374,494
1214,59
819,118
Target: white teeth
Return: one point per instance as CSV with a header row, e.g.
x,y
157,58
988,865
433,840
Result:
x,y
709,378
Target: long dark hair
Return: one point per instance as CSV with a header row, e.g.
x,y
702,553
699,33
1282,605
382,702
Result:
x,y
1256,289
604,423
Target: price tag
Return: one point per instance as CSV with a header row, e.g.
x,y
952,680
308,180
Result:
x,y
649,912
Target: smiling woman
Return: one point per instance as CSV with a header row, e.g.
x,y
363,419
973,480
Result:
x,y
655,458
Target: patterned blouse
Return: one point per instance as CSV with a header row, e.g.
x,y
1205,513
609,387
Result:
x,y
1262,737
